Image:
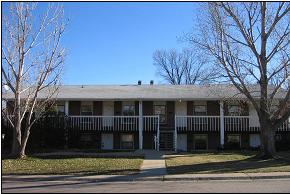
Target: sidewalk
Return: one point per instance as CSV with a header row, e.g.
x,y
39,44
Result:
x,y
153,164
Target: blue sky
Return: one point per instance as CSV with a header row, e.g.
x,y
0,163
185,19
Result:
x,y
113,43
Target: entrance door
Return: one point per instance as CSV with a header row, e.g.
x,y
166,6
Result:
x,y
107,141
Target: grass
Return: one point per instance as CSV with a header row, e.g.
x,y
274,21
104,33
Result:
x,y
225,162
73,165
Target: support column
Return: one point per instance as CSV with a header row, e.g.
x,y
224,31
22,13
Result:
x,y
158,133
66,108
140,125
66,105
175,135
222,125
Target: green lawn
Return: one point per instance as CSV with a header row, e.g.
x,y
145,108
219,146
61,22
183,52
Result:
x,y
73,165
225,162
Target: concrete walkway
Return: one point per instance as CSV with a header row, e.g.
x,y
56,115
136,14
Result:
x,y
153,164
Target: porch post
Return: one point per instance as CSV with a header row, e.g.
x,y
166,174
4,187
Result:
x,y
66,108
140,125
222,125
175,135
158,133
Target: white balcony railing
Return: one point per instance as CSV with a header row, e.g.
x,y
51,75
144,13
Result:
x,y
115,123
285,126
236,123
211,123
197,123
151,123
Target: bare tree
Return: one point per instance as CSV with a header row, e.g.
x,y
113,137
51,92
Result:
x,y
250,42
32,64
181,68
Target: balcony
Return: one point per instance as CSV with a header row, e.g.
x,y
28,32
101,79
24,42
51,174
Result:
x,y
112,123
211,123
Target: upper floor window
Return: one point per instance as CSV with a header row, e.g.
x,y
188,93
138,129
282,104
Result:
x,y
60,109
57,108
234,110
128,108
87,108
200,108
160,110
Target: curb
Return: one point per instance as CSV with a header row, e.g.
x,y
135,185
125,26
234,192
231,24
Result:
x,y
224,178
136,178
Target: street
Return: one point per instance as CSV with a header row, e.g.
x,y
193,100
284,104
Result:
x,y
261,185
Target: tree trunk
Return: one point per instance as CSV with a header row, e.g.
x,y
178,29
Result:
x,y
24,142
16,144
268,149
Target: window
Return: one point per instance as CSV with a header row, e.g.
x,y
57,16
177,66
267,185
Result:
x,y
233,141
60,109
161,111
200,108
87,108
200,142
234,110
128,108
127,141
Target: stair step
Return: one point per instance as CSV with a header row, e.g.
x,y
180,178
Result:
x,y
166,141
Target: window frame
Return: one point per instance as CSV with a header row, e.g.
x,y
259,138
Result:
x,y
89,104
60,112
199,104
240,140
128,104
239,112
165,112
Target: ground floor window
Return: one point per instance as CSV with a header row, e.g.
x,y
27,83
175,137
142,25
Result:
x,y
233,140
127,141
200,142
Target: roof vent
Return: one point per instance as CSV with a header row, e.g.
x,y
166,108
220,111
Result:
x,y
151,82
139,82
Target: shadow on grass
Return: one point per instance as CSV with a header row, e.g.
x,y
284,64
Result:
x,y
249,164
212,153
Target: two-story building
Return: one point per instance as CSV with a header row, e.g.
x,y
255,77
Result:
x,y
161,117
